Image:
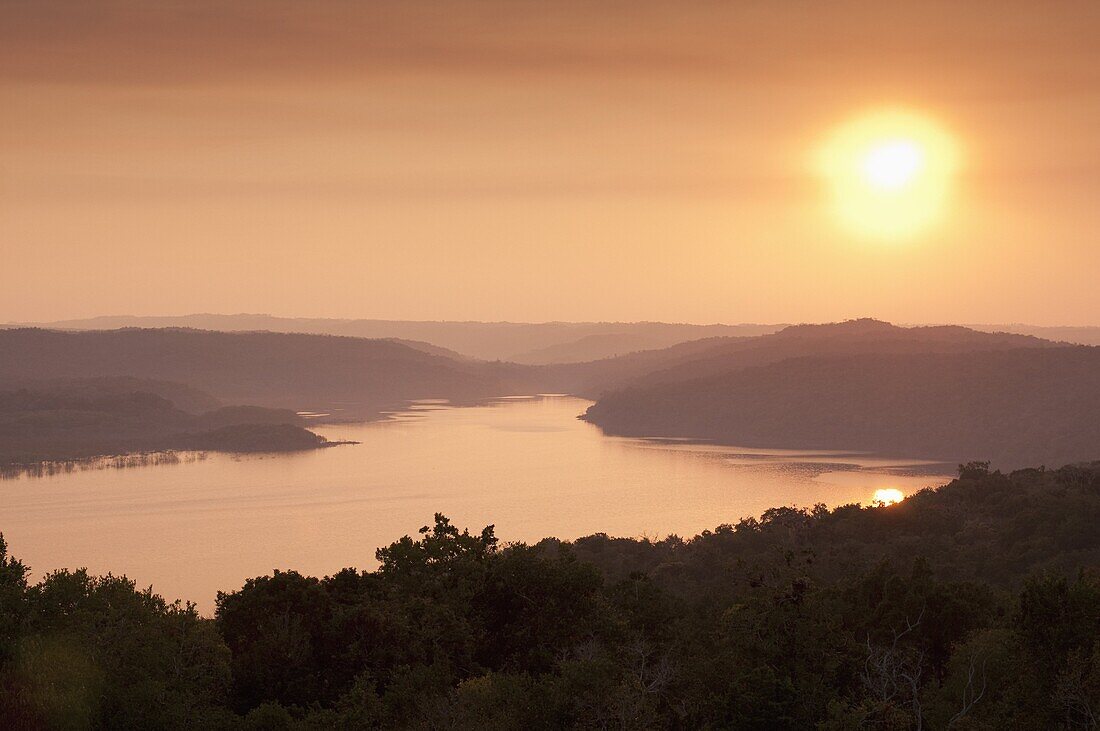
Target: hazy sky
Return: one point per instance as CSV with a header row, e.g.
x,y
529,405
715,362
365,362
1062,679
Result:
x,y
529,160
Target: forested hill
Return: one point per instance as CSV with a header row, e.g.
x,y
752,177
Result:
x,y
1014,407
183,397
969,607
717,356
76,420
936,392
364,376
271,369
852,337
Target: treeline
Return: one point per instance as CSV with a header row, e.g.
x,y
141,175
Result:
x,y
974,606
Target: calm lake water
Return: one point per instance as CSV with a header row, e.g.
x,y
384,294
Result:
x,y
526,465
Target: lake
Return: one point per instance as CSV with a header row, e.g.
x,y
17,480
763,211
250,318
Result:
x,y
525,464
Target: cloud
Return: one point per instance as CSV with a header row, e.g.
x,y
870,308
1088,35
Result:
x,y
1002,48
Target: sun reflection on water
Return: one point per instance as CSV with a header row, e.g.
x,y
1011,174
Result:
x,y
887,496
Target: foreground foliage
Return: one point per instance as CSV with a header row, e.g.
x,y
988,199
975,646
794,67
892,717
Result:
x,y
974,606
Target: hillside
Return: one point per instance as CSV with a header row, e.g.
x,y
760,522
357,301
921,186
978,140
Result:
x,y
182,396
592,378
61,421
1028,405
715,356
854,337
296,371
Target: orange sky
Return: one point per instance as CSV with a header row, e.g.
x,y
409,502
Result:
x,y
522,160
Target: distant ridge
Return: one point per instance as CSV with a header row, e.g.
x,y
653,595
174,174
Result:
x,y
358,375
520,342
508,341
715,356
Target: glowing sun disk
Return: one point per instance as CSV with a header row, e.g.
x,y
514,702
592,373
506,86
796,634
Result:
x,y
889,174
893,164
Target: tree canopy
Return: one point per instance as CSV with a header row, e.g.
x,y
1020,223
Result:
x,y
973,606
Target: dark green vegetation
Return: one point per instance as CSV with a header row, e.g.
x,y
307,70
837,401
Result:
x,y
975,606
72,420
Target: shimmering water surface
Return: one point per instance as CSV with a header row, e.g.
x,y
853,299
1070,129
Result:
x,y
526,465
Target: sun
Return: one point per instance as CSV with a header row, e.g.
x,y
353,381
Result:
x,y
892,164
889,173
887,496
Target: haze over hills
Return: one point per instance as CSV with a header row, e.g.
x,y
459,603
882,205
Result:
x,y
712,356
853,337
271,369
1085,335
531,343
544,343
942,392
619,345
